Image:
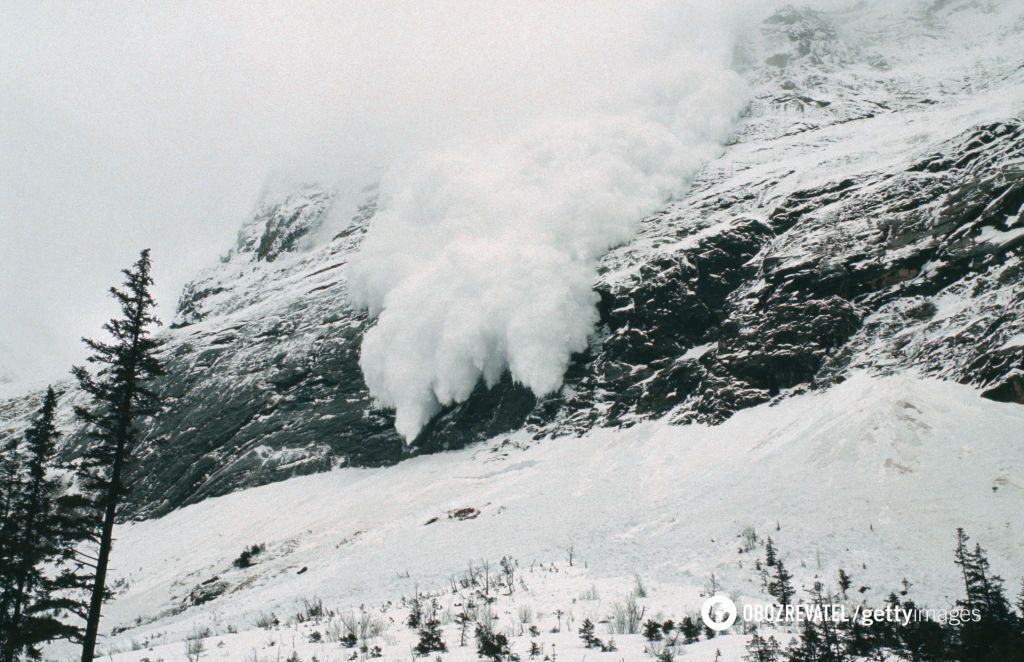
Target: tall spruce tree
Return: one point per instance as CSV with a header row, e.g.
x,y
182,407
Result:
x,y
42,528
760,649
995,634
121,395
962,558
10,487
769,553
781,588
10,476
1020,607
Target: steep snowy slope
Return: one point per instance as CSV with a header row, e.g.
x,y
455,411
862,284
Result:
x,y
867,214
872,476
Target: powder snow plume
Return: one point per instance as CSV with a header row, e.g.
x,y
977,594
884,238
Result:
x,y
483,257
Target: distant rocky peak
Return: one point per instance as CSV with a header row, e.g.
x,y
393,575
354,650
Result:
x,y
799,34
281,225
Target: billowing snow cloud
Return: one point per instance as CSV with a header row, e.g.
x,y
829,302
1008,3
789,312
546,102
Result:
x,y
529,137
482,259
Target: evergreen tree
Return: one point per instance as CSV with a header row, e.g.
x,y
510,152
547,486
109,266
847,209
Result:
x,y
845,581
991,594
983,590
760,649
886,634
690,629
430,637
1020,608
120,394
24,500
41,531
769,552
922,640
587,634
652,631
856,638
493,645
415,618
995,633
781,588
10,484
810,648
962,558
830,647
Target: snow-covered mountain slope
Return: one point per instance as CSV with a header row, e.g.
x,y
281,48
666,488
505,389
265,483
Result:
x,y
866,215
872,476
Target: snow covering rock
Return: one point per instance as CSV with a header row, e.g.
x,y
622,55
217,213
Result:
x,y
867,215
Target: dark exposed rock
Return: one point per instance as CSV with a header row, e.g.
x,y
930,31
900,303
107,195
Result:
x,y
1011,389
208,591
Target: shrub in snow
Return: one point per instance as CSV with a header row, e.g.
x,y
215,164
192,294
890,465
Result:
x,y
748,539
493,645
195,645
845,582
266,621
463,619
312,610
430,638
690,629
626,616
352,628
415,612
639,590
652,631
244,559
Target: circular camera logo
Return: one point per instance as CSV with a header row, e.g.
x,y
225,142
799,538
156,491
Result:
x,y
718,612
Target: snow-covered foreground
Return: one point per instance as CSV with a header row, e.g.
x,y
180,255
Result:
x,y
872,476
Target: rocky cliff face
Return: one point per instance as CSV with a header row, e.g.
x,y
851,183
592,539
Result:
x,y
868,214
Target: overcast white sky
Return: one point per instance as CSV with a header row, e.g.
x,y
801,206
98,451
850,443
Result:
x,y
126,125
